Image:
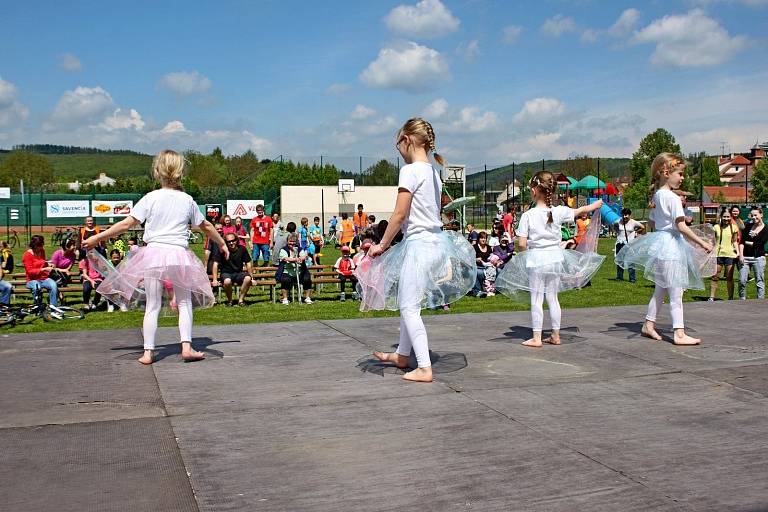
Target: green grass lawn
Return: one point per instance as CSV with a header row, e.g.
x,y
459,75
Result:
x,y
605,291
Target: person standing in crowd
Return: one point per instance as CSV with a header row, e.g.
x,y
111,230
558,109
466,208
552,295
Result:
x,y
226,225
6,268
240,231
727,251
316,239
429,267
38,270
472,234
736,218
628,228
508,221
582,224
232,272
304,235
482,255
570,201
87,231
211,248
347,230
277,225
752,253
332,226
359,219
166,260
281,240
262,227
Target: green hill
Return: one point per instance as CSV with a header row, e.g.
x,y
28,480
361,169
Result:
x,y
86,167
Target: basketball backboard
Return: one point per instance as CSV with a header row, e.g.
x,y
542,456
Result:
x,y
346,185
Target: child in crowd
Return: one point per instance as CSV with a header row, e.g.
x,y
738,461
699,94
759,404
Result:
x,y
293,270
667,256
91,279
345,267
347,230
430,266
167,213
489,283
542,267
316,239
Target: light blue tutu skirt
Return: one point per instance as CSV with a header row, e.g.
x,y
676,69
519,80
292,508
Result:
x,y
548,269
424,270
667,259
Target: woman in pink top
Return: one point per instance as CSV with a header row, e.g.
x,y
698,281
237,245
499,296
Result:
x,y
62,260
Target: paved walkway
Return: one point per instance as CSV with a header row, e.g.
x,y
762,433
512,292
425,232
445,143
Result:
x,y
297,417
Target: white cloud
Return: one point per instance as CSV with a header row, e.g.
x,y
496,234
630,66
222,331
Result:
x,y
511,33
123,120
470,120
185,83
426,19
362,112
689,40
12,111
69,62
407,66
540,111
589,36
435,110
337,88
380,126
173,127
469,51
558,25
78,105
625,24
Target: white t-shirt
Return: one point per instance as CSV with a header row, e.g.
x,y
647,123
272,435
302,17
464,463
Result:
x,y
540,234
168,214
423,181
627,232
668,208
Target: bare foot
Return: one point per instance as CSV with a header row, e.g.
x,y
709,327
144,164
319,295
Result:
x,y
533,342
419,375
147,358
188,354
392,357
683,339
649,331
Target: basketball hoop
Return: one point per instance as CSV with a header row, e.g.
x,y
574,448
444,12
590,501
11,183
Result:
x,y
346,185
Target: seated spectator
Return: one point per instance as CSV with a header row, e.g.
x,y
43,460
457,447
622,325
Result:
x,y
371,222
62,261
472,234
119,244
38,271
6,267
293,270
133,244
232,270
482,254
91,279
504,251
496,234
345,267
489,283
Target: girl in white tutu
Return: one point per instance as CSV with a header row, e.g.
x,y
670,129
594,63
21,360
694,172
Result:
x,y
543,268
675,256
429,267
166,261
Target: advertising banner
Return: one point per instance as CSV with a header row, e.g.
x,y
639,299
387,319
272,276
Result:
x,y
213,213
61,209
5,193
244,208
110,208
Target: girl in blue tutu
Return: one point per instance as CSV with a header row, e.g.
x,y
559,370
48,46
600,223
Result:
x,y
675,256
429,267
166,260
543,268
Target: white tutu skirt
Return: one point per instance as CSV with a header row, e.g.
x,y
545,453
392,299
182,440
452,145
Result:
x,y
424,270
667,259
176,267
550,269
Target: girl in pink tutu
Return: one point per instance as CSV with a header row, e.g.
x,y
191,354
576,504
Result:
x,y
166,214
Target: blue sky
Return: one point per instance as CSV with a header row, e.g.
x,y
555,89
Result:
x,y
501,81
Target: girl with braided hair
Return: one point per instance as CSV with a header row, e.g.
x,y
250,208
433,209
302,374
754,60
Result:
x,y
542,267
429,267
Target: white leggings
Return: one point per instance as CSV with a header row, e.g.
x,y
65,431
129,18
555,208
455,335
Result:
x,y
541,287
413,334
675,305
154,290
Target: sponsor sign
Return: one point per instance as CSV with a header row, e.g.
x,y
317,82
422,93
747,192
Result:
x,y
60,209
245,208
213,212
111,208
5,192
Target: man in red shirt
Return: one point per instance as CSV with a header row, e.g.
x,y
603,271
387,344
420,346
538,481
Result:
x,y
261,235
507,220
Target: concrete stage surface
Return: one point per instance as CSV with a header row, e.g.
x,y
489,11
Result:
x,y
296,417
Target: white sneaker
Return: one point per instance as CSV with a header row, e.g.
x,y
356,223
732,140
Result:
x,y
307,301
110,308
284,302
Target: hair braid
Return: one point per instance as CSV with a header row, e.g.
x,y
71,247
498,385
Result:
x,y
550,220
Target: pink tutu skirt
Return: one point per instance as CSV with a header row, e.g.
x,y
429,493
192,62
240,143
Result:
x,y
176,267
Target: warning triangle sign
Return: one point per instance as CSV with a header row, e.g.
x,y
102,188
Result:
x,y
240,211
